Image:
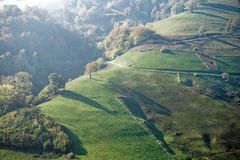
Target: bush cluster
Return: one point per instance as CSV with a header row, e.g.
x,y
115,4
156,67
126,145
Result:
x,y
124,37
31,130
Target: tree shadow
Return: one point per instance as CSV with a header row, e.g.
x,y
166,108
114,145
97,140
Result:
x,y
134,101
207,14
75,96
225,42
214,59
159,135
156,39
142,99
223,7
169,52
76,143
136,109
148,102
211,8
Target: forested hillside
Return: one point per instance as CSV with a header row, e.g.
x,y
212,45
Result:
x,y
33,42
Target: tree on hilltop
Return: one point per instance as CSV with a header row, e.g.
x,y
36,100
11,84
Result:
x,y
91,67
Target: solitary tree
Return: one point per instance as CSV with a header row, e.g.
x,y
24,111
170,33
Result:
x,y
91,67
56,82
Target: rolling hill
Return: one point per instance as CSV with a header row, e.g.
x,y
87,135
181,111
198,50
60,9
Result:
x,y
159,101
214,15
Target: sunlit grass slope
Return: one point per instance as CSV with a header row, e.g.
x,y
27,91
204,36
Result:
x,y
188,111
101,127
214,16
159,60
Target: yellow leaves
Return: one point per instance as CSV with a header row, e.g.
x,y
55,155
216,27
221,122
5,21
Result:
x,y
7,93
6,87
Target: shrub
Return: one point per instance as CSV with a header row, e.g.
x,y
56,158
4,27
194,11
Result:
x,y
47,146
101,63
196,75
187,82
195,49
124,37
29,129
70,155
164,50
56,83
225,76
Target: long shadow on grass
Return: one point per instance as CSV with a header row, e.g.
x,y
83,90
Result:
x,y
76,143
139,97
225,42
210,15
223,7
209,57
134,101
136,110
211,8
75,96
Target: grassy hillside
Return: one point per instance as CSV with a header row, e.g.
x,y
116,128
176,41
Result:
x,y
90,110
160,60
102,128
144,98
214,16
107,131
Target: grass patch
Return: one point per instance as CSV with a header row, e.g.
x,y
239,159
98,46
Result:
x,y
229,63
187,23
190,112
214,14
158,60
105,129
